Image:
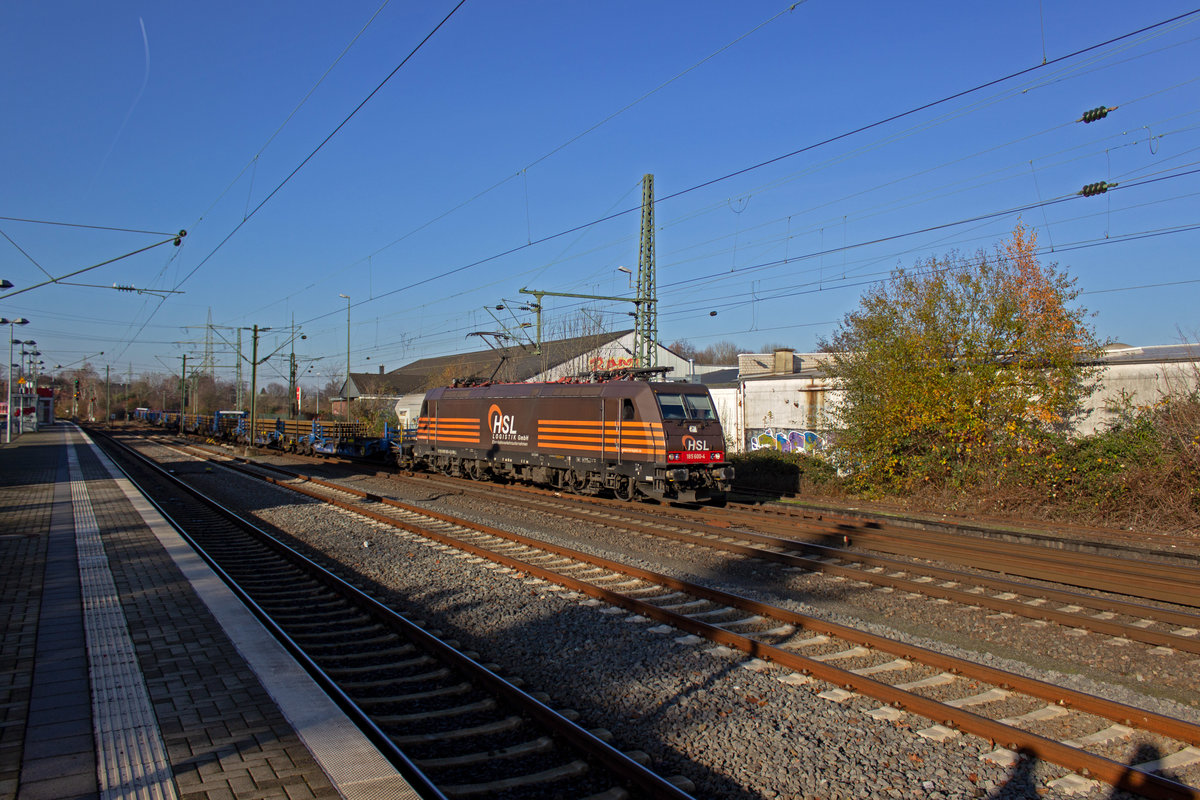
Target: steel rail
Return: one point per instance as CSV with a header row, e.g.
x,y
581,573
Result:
x,y
707,533
1131,632
1117,774
1069,619
626,769
1170,583
539,501
1166,582
1053,535
359,717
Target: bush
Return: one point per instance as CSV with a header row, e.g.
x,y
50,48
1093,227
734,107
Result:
x,y
958,368
782,473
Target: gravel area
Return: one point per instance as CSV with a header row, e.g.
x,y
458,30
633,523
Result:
x,y
704,712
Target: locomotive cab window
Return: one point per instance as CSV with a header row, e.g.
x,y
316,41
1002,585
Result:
x,y
626,409
672,406
685,406
699,406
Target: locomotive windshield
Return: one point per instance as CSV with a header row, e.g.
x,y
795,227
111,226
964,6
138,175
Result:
x,y
685,406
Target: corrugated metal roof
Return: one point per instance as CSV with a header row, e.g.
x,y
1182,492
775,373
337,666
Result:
x,y
1127,354
521,364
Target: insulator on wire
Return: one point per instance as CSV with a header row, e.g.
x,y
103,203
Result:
x,y
1099,112
1093,189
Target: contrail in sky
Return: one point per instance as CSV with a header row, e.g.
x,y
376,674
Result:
x,y
129,113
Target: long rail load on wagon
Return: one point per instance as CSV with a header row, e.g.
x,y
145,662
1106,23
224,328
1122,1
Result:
x,y
617,432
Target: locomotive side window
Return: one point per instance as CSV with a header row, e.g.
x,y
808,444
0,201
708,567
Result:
x,y
626,409
424,408
699,406
672,406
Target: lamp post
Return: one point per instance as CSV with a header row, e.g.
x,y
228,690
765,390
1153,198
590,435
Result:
x,y
254,384
25,354
346,388
31,372
11,342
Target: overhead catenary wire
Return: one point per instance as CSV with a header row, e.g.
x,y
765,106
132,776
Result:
x,y
523,171
970,183
301,165
410,286
322,143
761,164
966,184
609,217
88,227
829,251
940,226
174,238
439,335
450,336
882,276
254,160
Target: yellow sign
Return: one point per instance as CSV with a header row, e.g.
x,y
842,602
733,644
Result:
x,y
21,381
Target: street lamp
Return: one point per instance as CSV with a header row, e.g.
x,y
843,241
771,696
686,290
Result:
x,y
346,388
11,342
25,371
25,353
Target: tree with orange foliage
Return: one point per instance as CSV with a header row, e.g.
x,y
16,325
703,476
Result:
x,y
959,369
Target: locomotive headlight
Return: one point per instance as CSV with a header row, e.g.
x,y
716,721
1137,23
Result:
x,y
677,475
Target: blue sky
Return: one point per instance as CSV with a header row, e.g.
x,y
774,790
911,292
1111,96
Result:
x,y
481,165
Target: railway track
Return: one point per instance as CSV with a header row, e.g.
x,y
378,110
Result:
x,y
1057,535
453,726
1078,731
1177,628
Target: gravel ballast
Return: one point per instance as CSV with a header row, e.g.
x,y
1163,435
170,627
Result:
x,y
725,722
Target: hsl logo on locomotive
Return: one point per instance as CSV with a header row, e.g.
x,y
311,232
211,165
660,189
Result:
x,y
504,427
692,443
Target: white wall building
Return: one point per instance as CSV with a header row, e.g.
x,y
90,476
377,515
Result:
x,y
784,401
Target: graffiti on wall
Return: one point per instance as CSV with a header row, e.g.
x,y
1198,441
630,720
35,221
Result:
x,y
787,441
600,362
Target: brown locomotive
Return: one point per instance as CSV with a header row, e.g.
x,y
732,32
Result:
x,y
629,437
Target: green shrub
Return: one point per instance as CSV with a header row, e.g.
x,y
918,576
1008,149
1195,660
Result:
x,y
777,471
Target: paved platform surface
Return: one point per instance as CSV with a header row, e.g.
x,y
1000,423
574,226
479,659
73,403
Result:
x,y
128,670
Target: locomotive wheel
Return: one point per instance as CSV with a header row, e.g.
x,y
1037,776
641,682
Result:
x,y
625,489
574,482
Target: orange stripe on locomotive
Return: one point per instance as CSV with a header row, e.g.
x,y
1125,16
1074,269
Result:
x,y
459,430
625,439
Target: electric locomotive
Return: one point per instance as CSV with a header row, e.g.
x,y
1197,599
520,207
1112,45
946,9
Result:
x,y
631,437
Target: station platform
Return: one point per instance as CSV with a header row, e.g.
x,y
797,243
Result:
x,y
127,668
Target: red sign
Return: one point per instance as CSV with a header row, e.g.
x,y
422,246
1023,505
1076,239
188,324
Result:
x,y
695,456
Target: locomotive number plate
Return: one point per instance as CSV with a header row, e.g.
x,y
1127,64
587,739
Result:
x,y
696,456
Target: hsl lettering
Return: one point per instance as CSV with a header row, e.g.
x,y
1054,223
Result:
x,y
501,424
